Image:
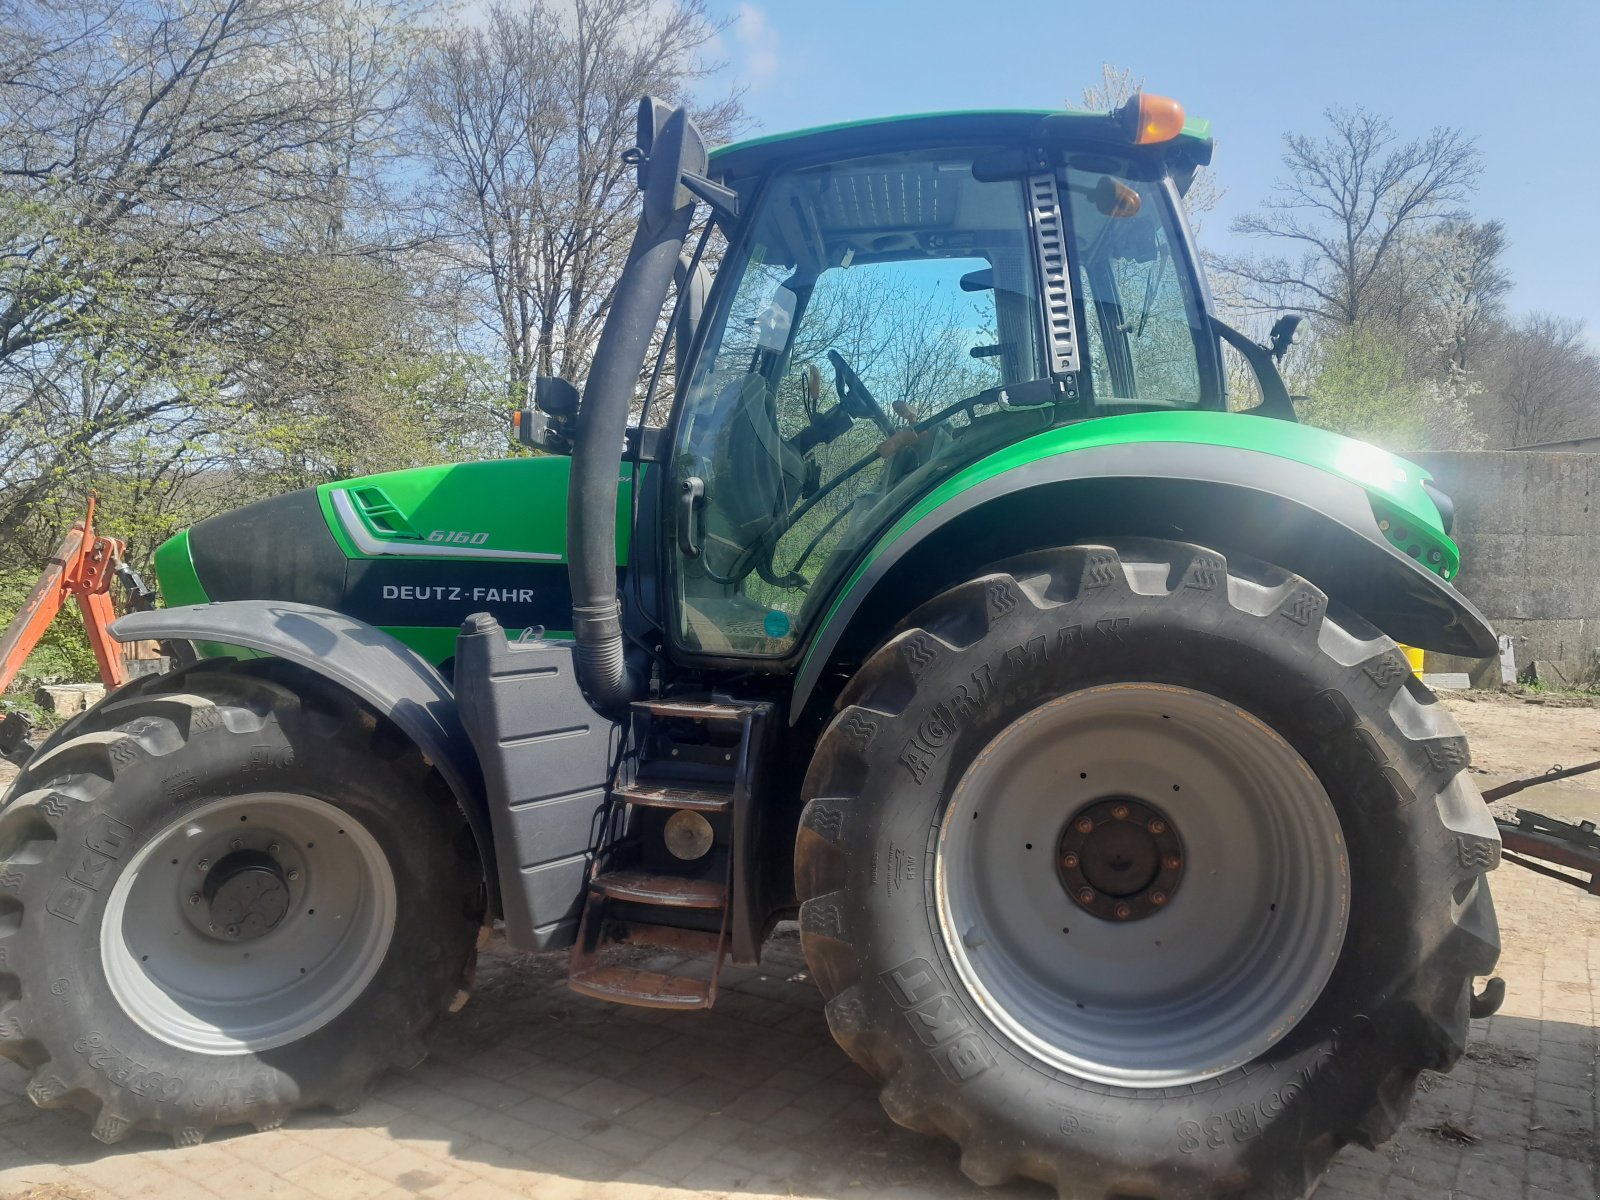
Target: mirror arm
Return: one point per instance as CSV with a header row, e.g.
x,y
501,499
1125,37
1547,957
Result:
x,y
1275,400
724,199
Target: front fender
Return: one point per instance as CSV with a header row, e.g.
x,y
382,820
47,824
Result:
x,y
367,662
1299,516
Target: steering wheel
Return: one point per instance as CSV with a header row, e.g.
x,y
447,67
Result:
x,y
854,397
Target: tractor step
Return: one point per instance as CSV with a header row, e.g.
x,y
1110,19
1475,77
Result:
x,y
609,971
643,989
664,891
665,879
703,798
692,710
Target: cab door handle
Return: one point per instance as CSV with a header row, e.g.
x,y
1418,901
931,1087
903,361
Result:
x,y
691,499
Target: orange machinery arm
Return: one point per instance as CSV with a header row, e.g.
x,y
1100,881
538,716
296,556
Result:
x,y
80,569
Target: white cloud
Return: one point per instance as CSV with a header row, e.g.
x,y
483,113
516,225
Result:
x,y
759,42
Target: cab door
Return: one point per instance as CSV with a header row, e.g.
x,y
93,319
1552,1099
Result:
x,y
867,301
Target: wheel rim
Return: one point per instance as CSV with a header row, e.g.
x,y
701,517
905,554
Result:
x,y
248,923
1251,917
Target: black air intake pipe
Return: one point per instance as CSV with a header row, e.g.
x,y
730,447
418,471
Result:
x,y
669,145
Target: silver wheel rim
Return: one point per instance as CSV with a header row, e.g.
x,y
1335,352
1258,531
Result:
x,y
1228,964
248,986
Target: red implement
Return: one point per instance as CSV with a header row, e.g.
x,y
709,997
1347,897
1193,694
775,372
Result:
x,y
81,569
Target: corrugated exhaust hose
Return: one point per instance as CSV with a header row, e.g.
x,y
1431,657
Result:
x,y
669,147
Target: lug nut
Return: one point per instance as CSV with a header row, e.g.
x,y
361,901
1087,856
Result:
x,y
1158,897
1085,825
274,848
1069,861
237,843
293,875
1086,895
1158,826
1173,862
194,897
1120,812
203,865
1123,912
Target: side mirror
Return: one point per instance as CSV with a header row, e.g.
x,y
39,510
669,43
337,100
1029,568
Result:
x,y
676,148
1282,334
653,114
548,425
555,395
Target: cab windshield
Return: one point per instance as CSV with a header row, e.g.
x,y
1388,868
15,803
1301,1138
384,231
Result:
x,y
879,325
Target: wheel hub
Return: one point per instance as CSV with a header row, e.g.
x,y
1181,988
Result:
x,y
247,895
1054,822
1120,859
248,922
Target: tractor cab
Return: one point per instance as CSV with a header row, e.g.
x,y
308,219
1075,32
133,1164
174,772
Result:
x,y
882,317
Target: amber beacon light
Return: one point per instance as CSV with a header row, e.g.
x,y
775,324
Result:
x,y
1150,119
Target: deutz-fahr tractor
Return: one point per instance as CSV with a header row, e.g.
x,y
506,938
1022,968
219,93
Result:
x,y
902,570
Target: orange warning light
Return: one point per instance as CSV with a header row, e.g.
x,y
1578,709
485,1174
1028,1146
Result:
x,y
1153,118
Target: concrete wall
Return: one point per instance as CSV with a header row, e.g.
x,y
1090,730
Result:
x,y
1529,528
1590,443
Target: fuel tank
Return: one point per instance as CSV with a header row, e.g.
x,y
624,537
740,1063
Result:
x,y
413,552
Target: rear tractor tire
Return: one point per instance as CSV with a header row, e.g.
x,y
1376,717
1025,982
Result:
x,y
1140,872
226,895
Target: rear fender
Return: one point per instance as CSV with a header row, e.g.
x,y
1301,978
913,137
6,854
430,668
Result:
x,y
1300,517
373,666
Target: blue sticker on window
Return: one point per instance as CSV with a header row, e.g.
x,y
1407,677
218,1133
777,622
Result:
x,y
776,624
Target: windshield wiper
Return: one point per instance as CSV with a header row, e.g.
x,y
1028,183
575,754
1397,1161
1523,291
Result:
x,y
1151,283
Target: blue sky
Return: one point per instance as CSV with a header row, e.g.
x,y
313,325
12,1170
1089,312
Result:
x,y
1523,79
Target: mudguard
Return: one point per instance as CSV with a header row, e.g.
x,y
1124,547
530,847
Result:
x,y
1308,520
363,660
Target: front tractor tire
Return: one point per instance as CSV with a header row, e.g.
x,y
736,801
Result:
x,y
1140,872
226,895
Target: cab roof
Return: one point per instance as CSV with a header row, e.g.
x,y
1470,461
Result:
x,y
877,134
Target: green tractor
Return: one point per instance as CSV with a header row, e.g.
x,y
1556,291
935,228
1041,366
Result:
x,y
939,602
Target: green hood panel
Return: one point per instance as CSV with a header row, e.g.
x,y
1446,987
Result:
x,y
175,573
412,552
514,508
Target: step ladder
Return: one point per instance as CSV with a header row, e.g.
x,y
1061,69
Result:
x,y
665,883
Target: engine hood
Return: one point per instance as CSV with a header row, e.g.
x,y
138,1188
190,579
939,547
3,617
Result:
x,y
413,552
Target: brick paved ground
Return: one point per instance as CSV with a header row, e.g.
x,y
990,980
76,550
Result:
x,y
534,1092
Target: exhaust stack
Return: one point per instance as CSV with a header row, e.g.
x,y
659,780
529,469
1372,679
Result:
x,y
669,147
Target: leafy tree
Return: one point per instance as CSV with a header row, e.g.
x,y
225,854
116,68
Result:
x,y
1544,382
168,168
521,124
1347,203
1359,385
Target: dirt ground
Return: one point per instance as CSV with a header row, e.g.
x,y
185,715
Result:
x,y
1518,735
532,1091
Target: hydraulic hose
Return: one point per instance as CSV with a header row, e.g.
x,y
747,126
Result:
x,y
603,668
